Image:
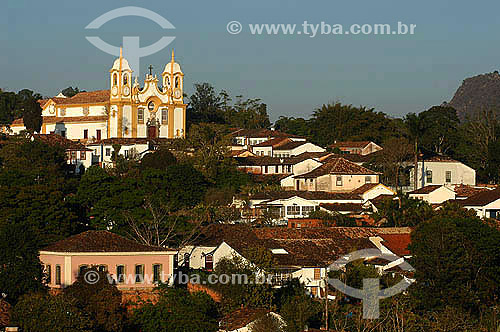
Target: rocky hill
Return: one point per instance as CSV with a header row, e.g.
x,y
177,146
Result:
x,y
477,93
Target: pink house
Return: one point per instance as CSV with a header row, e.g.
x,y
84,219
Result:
x,y
132,265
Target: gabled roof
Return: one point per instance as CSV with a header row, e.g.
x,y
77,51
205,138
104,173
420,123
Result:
x,y
307,247
365,188
70,119
310,195
54,139
241,317
274,142
99,241
351,144
92,97
343,207
426,190
482,198
397,243
338,166
468,191
289,145
260,133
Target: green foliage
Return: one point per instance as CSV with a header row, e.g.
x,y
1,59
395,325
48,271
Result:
x,y
299,311
253,292
100,301
70,91
178,311
206,105
22,271
333,219
41,313
402,211
159,160
457,262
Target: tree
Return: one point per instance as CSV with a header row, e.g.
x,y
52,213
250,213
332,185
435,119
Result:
x,y
300,311
70,91
457,262
160,159
42,312
396,152
439,128
268,323
177,310
30,109
101,301
21,270
205,105
402,211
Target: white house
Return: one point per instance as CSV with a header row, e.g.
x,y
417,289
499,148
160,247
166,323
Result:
x,y
244,319
442,170
284,147
336,175
486,204
371,191
357,147
433,194
245,139
129,148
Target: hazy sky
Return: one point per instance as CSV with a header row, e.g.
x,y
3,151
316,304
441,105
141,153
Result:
x,y
44,49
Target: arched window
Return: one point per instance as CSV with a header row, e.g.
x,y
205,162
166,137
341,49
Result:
x,y
177,82
115,79
125,79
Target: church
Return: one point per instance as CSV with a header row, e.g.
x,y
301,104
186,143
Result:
x,y
124,111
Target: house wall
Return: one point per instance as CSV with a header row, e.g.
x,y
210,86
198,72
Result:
x,y
377,191
328,182
460,173
438,196
70,264
74,131
263,150
307,147
196,256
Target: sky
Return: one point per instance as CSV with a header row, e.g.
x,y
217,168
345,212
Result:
x,y
44,49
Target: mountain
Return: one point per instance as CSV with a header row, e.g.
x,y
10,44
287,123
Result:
x,y
477,93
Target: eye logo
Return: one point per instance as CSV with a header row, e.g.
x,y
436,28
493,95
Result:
x,y
371,292
131,47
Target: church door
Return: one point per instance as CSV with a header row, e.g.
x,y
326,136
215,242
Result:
x,y
152,132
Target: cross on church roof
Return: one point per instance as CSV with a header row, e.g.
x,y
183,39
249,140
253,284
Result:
x,y
150,70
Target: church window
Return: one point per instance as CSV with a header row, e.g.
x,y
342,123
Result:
x,y
140,115
164,116
115,79
177,82
125,79
85,133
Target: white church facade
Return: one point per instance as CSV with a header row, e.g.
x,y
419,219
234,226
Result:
x,y
126,110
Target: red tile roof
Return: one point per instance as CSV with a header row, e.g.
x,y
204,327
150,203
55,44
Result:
x,y
426,190
350,144
482,198
274,142
54,139
305,247
289,145
241,318
311,195
260,133
338,166
343,207
364,188
397,243
92,97
100,241
467,191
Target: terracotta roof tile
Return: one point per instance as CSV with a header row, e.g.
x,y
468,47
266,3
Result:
x,y
397,243
338,166
467,191
426,190
241,318
343,207
273,142
311,195
364,188
99,241
54,139
350,144
482,198
92,97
